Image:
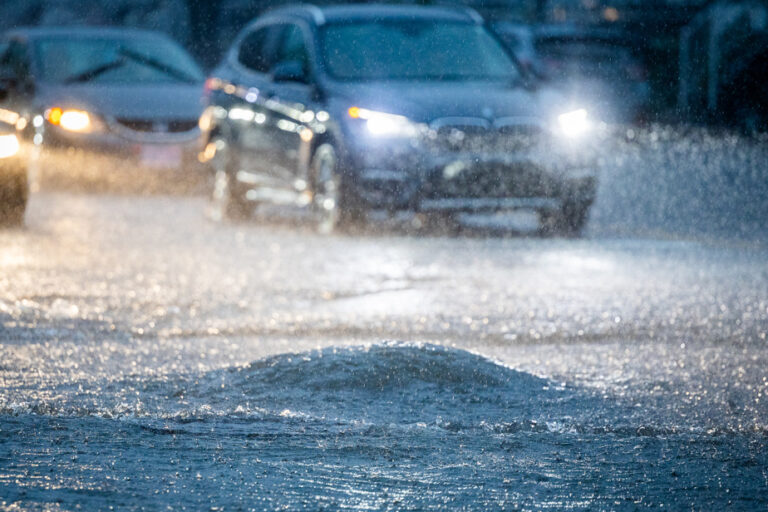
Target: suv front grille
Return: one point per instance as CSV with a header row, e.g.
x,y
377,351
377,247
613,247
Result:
x,y
484,137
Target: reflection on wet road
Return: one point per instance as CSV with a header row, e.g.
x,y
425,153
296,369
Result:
x,y
152,357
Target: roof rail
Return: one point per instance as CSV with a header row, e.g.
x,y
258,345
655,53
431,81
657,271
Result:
x,y
469,11
472,14
317,14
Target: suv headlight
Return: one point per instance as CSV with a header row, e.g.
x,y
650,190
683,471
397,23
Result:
x,y
381,124
574,124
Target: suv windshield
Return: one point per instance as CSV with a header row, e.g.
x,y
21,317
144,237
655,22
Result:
x,y
414,50
117,60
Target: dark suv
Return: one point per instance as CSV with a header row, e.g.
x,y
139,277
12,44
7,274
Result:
x,y
353,108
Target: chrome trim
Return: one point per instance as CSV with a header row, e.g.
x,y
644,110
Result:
x,y
116,128
383,175
502,122
443,122
579,173
467,203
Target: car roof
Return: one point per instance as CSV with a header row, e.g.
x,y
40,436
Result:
x,y
357,12
32,33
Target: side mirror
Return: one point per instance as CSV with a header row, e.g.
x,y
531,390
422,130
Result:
x,y
289,71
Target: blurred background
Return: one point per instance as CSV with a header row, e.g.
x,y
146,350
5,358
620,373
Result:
x,y
670,60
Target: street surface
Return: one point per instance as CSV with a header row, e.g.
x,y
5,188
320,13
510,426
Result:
x,y
150,357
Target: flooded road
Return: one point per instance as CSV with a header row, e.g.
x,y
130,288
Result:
x,y
151,358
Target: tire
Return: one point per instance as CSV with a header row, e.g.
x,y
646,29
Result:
x,y
14,195
335,205
442,223
228,199
574,218
749,121
569,220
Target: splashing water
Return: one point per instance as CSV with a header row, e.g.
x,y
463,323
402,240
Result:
x,y
391,426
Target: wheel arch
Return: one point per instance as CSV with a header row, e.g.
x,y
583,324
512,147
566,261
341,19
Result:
x,y
320,139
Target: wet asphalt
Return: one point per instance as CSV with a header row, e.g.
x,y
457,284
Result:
x,y
105,295
176,290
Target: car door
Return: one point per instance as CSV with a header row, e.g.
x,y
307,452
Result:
x,y
290,102
245,95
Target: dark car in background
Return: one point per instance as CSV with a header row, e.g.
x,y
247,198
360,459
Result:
x,y
14,186
171,17
597,65
354,108
132,96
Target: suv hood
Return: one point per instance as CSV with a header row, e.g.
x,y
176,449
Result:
x,y
427,102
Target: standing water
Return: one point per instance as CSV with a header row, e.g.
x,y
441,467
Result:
x,y
390,426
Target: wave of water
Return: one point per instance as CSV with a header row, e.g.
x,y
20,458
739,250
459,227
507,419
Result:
x,y
398,426
390,383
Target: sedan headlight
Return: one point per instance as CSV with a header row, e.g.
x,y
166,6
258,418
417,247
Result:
x,y
9,145
73,120
574,123
381,124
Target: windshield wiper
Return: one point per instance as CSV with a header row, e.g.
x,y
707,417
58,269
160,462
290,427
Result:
x,y
90,74
124,56
158,65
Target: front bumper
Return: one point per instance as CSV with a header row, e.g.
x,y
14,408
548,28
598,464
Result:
x,y
149,151
419,179
108,161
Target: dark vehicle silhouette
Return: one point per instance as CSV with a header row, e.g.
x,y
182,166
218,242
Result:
x,y
352,108
131,95
596,65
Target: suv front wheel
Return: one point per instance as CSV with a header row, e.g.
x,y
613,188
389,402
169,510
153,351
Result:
x,y
334,201
569,220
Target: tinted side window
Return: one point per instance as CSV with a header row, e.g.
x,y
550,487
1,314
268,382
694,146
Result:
x,y
255,50
293,47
